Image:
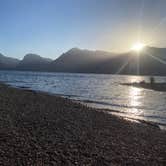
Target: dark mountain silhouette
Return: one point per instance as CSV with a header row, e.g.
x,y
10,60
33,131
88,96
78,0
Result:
x,y
77,60
7,62
33,62
151,61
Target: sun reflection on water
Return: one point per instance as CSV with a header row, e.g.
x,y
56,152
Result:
x,y
134,101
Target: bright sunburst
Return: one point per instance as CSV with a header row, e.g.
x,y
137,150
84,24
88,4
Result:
x,y
138,47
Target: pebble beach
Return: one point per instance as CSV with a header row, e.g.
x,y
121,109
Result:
x,y
40,129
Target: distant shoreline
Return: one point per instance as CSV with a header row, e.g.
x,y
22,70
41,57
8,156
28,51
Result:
x,y
156,86
95,73
39,128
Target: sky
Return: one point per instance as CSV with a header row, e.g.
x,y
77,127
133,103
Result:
x,y
51,27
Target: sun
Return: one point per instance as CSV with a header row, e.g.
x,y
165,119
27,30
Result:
x,y
138,47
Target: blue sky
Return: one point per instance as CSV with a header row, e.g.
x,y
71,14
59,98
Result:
x,y
51,27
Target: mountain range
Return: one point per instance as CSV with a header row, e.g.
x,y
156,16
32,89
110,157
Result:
x,y
7,62
150,61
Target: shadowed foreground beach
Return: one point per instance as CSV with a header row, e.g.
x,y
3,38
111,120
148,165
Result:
x,y
40,129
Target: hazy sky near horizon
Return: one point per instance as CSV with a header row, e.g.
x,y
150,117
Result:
x,y
51,27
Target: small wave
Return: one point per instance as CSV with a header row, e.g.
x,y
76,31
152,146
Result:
x,y
63,95
15,81
23,87
155,117
109,104
155,124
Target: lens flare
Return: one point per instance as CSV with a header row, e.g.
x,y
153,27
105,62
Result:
x,y
138,47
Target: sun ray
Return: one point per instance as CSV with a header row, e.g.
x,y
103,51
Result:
x,y
141,13
156,58
122,67
156,29
138,65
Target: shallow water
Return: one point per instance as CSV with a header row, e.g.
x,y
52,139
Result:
x,y
101,91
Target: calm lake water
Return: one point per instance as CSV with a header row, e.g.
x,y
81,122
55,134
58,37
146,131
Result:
x,y
101,91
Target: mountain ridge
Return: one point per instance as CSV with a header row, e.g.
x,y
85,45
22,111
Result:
x,y
152,61
8,62
33,62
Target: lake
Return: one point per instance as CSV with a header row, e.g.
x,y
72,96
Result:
x,y
99,91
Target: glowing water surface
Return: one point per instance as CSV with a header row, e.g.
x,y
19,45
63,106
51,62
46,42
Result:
x,y
97,90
